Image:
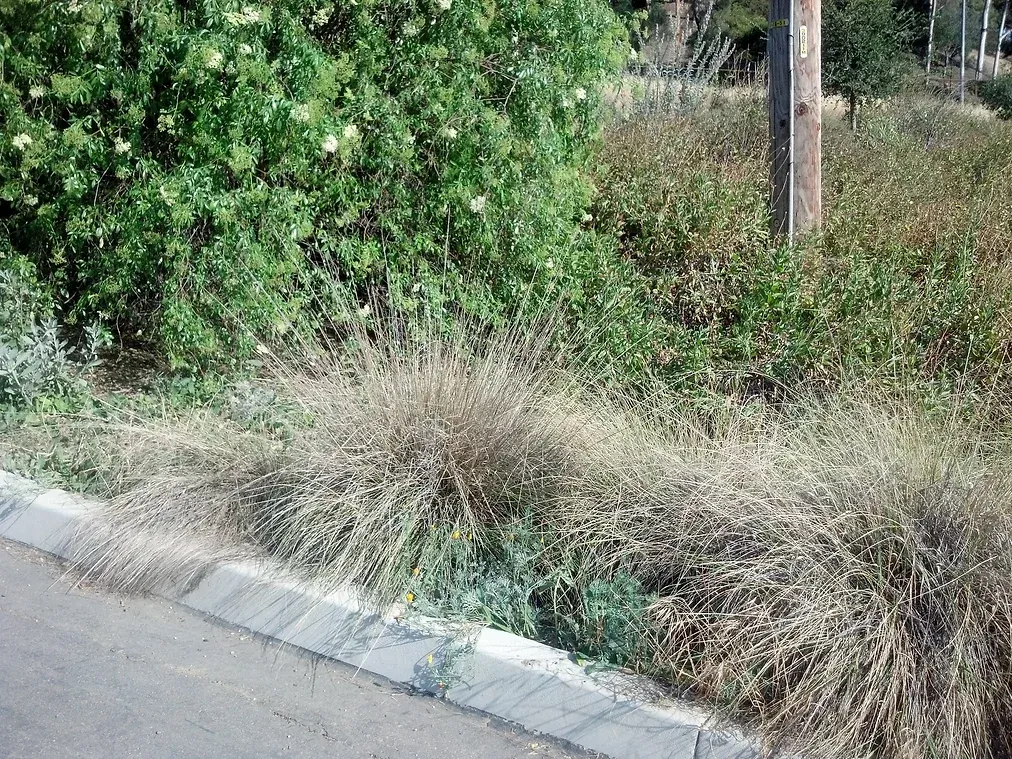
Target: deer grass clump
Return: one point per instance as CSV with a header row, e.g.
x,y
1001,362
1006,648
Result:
x,y
839,580
391,447
836,575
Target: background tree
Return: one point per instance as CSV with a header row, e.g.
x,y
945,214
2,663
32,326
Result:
x,y
744,22
863,46
995,64
982,46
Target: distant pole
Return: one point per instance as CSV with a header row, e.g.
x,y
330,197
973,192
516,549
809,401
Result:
x,y
781,104
982,47
807,20
962,54
931,41
1001,38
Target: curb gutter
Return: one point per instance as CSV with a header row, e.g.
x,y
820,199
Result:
x,y
528,683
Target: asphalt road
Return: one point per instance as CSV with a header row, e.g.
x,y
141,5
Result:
x,y
91,675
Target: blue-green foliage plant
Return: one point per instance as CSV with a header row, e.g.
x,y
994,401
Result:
x,y
39,367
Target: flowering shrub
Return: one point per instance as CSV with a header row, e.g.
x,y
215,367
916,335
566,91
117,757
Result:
x,y
189,166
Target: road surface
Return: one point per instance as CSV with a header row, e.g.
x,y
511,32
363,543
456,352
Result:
x,y
91,675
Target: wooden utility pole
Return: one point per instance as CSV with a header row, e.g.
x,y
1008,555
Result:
x,y
962,54
982,47
794,44
1001,39
781,104
807,115
931,41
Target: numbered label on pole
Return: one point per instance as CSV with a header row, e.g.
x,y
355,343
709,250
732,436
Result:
x,y
803,41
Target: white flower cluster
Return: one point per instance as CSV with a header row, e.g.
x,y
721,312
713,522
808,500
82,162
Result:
x,y
301,112
350,133
444,5
74,6
213,59
30,200
322,16
581,94
36,91
477,203
121,146
451,132
167,196
248,15
22,141
245,49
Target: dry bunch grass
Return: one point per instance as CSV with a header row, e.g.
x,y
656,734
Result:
x,y
839,578
842,582
400,443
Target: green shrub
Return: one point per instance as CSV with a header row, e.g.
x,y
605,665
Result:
x,y
997,95
197,169
22,300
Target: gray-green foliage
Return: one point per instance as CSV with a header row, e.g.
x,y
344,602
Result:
x,y
36,363
497,580
609,624
678,76
509,579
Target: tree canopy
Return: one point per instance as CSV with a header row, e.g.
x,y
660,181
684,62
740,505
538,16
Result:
x,y
863,41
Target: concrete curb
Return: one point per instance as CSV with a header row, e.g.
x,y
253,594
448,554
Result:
x,y
533,685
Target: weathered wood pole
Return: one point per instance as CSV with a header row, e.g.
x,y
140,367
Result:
x,y
781,107
807,115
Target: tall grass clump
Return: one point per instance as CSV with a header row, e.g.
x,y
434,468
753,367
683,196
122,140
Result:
x,y
835,575
839,580
396,447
